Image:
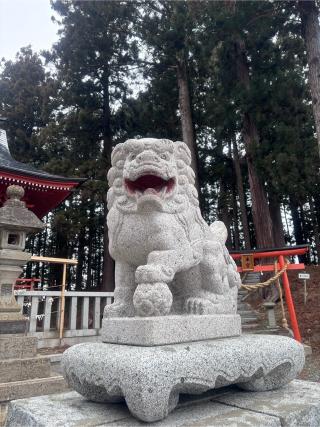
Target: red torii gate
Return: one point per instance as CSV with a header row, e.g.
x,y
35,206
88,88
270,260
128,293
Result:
x,y
247,264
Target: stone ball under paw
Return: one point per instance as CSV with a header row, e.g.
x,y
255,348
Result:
x,y
152,299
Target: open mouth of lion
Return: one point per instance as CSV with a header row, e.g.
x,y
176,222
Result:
x,y
150,185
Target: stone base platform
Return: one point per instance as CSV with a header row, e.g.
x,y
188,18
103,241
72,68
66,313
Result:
x,y
297,404
32,387
150,331
150,379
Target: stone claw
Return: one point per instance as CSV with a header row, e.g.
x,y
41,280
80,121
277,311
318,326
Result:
x,y
118,310
199,306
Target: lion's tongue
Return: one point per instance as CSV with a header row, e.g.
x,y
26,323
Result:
x,y
149,184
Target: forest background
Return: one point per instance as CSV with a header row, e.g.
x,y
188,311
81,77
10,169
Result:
x,y
238,81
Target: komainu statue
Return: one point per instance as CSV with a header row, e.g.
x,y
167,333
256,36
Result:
x,y
168,260
176,284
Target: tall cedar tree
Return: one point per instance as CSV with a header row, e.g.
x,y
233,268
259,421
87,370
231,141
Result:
x,y
309,14
166,28
26,91
94,51
68,121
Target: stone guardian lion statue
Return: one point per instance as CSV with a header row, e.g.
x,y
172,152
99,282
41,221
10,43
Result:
x,y
167,259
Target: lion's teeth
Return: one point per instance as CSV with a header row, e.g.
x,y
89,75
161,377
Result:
x,y
150,191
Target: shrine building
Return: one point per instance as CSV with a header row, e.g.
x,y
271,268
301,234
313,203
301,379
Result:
x,y
43,191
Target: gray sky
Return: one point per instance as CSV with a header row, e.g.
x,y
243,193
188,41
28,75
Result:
x,y
24,22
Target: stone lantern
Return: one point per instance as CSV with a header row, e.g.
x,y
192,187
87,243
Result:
x,y
16,221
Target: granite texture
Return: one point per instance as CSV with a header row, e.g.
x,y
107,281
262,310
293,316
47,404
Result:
x,y
151,378
149,331
168,260
32,387
17,347
23,369
297,404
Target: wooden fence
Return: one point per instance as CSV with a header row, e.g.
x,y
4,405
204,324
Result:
x,y
82,319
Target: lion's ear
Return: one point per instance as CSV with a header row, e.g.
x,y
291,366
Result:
x,y
118,153
113,173
182,152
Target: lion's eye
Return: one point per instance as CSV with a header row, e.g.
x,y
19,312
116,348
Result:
x,y
132,156
164,156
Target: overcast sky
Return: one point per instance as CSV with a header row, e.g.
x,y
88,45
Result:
x,y
24,22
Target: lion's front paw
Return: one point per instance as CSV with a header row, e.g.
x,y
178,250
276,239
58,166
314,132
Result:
x,y
118,310
153,273
199,306
152,299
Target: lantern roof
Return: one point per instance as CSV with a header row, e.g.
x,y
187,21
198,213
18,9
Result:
x,y
15,216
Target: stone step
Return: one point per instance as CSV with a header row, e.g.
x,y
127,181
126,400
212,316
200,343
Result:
x,y
24,369
247,320
244,306
17,347
250,326
271,331
247,313
29,388
251,274
252,280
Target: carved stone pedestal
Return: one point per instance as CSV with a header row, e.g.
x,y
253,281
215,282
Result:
x,y
174,329
150,379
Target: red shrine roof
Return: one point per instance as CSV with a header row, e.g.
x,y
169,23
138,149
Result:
x,y
43,191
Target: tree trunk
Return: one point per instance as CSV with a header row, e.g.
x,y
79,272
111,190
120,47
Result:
x,y
44,253
81,258
30,248
108,262
260,207
297,226
315,227
304,232
223,209
277,226
61,252
235,218
311,32
185,109
243,209
235,215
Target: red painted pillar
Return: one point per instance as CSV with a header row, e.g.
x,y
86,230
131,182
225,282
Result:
x,y
287,291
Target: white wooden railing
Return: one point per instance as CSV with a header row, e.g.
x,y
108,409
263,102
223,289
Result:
x,y
82,319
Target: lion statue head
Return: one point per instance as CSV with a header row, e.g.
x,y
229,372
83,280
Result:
x,y
151,173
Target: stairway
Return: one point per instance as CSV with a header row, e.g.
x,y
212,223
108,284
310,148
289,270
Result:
x,y
249,317
23,373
